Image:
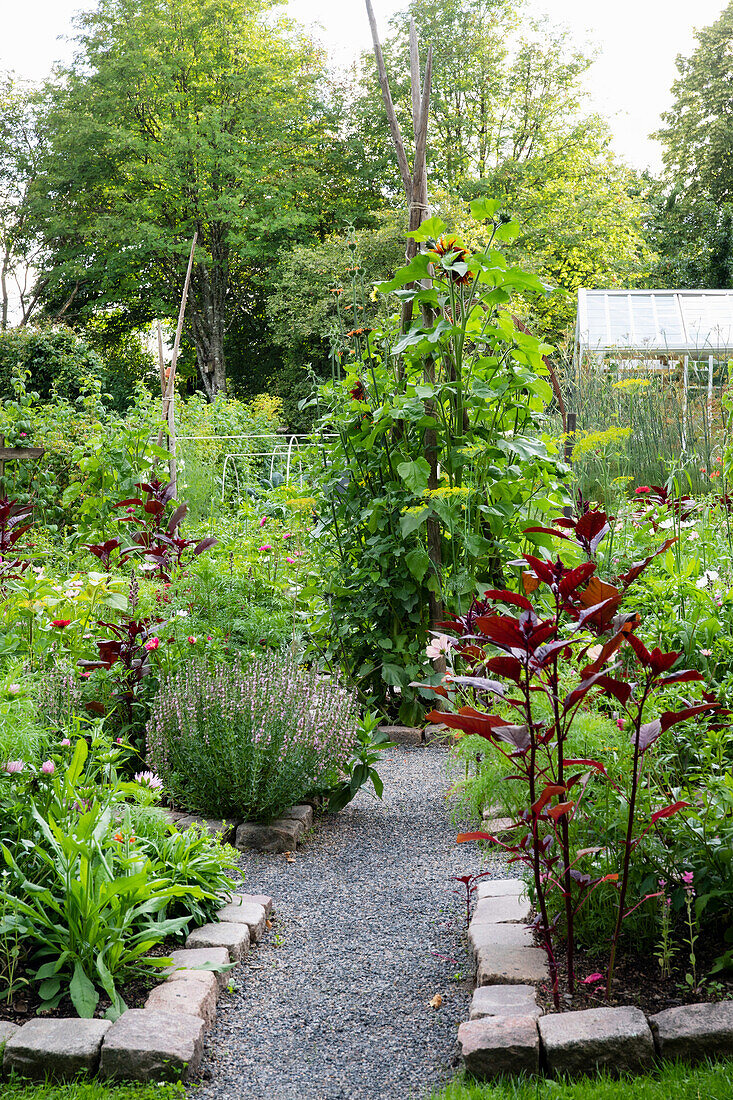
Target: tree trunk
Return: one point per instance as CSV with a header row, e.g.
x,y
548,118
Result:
x,y
208,301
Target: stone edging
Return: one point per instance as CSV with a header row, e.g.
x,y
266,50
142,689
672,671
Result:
x,y
281,835
507,1032
162,1041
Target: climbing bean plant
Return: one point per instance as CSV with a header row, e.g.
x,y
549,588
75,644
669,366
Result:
x,y
434,457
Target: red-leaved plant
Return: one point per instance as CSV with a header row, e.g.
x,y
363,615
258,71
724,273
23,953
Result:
x,y
572,630
157,542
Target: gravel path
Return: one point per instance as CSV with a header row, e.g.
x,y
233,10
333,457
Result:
x,y
333,1005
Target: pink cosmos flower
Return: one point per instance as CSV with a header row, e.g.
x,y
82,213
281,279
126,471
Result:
x,y
266,548
287,536
191,639
152,643
149,779
12,767
66,742
440,644
48,767
706,652
290,561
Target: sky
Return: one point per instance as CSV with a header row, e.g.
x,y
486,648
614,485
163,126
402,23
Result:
x,y
629,83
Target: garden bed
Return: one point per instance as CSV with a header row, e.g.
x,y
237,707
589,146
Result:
x,y
637,981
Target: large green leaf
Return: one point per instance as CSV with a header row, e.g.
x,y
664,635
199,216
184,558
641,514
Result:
x,y
429,230
415,474
412,520
418,562
483,209
84,996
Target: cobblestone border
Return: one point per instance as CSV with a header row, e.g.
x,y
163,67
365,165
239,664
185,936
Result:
x,y
281,835
507,1032
164,1041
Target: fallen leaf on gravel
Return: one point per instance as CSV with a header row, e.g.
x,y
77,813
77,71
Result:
x,y
289,857
269,924
436,1001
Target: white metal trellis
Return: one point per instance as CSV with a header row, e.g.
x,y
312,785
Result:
x,y
292,443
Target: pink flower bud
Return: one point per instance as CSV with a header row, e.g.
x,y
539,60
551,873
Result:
x,y
48,767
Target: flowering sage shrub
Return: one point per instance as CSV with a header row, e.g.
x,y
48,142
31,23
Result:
x,y
249,742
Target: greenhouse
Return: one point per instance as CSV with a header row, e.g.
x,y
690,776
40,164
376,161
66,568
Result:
x,y
675,342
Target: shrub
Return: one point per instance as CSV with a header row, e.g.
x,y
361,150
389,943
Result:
x,y
249,743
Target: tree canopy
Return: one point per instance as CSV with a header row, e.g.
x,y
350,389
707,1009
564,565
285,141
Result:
x,y
177,117
692,226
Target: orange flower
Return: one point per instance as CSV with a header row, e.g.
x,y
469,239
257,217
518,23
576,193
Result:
x,y
461,254
119,838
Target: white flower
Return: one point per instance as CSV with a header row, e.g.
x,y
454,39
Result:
x,y
666,524
13,689
441,644
182,614
693,535
708,576
594,652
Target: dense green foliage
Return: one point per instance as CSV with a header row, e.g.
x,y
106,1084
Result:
x,y
694,211
432,459
178,118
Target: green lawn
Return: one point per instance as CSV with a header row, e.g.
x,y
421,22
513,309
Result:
x,y
712,1081
89,1090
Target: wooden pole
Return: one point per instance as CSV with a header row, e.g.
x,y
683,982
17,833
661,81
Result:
x,y
416,193
169,412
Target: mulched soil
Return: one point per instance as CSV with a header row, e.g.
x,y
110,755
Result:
x,y
637,981
25,1004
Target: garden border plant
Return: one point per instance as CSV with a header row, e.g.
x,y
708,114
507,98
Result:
x,y
535,650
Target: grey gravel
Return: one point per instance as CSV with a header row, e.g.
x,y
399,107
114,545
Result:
x,y
368,927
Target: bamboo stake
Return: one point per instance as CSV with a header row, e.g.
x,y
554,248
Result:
x,y
169,414
161,363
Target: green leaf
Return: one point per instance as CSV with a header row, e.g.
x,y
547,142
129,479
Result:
x,y
84,996
418,562
415,474
417,269
483,209
412,520
509,231
429,230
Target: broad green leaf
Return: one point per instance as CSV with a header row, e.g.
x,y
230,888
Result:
x,y
418,562
412,520
417,269
483,209
84,996
430,229
415,474
509,231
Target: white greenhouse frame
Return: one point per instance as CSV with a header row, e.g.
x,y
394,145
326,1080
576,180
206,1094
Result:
x,y
656,330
